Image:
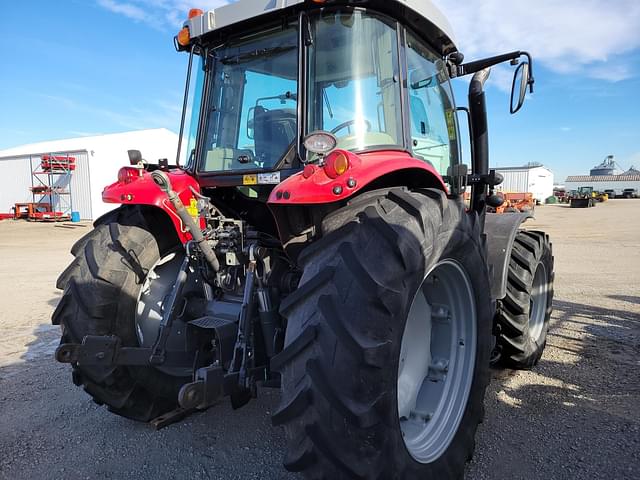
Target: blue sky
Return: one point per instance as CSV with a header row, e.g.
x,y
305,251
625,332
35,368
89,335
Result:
x,y
84,67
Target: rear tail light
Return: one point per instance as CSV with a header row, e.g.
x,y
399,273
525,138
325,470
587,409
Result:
x,y
336,164
128,174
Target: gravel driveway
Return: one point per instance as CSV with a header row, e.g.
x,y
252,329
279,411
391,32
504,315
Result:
x,y
575,416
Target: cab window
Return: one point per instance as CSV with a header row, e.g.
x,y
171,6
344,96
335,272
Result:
x,y
252,111
434,131
354,91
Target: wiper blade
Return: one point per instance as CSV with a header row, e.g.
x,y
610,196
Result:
x,y
261,53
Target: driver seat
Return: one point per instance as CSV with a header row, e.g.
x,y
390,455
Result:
x,y
273,131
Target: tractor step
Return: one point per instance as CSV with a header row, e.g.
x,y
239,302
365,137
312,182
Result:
x,y
225,330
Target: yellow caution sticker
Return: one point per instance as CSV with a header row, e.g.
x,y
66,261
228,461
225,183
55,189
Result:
x,y
250,179
193,208
451,124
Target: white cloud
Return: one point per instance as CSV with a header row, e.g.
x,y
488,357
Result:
x,y
613,72
568,36
127,9
162,14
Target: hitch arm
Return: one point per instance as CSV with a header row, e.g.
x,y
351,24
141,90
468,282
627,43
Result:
x,y
241,393
107,351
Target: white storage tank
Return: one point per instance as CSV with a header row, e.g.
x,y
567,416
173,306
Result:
x,y
534,178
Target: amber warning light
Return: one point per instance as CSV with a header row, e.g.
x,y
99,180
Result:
x,y
184,37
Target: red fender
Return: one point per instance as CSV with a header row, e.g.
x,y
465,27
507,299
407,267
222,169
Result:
x,y
136,189
315,186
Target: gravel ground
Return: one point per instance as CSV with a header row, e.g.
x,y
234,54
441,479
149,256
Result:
x,y
575,416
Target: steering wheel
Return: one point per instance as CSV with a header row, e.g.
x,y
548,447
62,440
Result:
x,y
349,123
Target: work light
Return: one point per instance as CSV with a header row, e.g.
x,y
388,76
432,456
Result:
x,y
320,142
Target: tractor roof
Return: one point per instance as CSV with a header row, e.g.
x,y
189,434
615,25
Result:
x,y
412,11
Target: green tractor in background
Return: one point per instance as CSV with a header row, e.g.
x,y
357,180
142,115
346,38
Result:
x,y
582,198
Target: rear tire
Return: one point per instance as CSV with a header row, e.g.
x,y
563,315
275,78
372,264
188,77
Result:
x,y
340,365
523,315
101,288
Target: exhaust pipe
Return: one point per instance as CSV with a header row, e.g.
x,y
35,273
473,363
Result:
x,y
480,136
162,180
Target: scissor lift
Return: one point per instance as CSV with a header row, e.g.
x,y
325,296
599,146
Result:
x,y
51,188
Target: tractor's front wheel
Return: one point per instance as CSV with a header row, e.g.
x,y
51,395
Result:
x,y
388,341
525,311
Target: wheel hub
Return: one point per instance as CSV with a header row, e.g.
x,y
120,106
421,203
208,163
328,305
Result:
x,y
538,302
155,290
437,360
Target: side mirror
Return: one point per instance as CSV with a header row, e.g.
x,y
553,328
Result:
x,y
135,157
521,80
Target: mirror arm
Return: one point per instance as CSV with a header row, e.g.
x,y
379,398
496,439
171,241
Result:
x,y
476,66
531,79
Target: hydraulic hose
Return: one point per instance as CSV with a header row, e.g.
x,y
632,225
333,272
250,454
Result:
x,y
163,181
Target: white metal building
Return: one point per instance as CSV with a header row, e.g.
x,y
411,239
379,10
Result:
x,y
97,159
604,182
535,179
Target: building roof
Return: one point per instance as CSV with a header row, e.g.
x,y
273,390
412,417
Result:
x,y
523,168
85,143
603,178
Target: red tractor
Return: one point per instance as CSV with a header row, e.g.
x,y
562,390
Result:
x,y
315,241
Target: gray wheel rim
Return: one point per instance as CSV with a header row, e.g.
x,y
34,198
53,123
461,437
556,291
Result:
x,y
437,361
538,302
154,291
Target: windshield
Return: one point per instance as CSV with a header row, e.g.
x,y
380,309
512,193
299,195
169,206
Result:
x,y
353,80
252,109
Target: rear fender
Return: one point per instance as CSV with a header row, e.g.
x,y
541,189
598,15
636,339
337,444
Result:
x,y
144,191
314,186
301,201
501,231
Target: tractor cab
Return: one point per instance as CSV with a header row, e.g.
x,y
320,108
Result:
x,y
358,74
